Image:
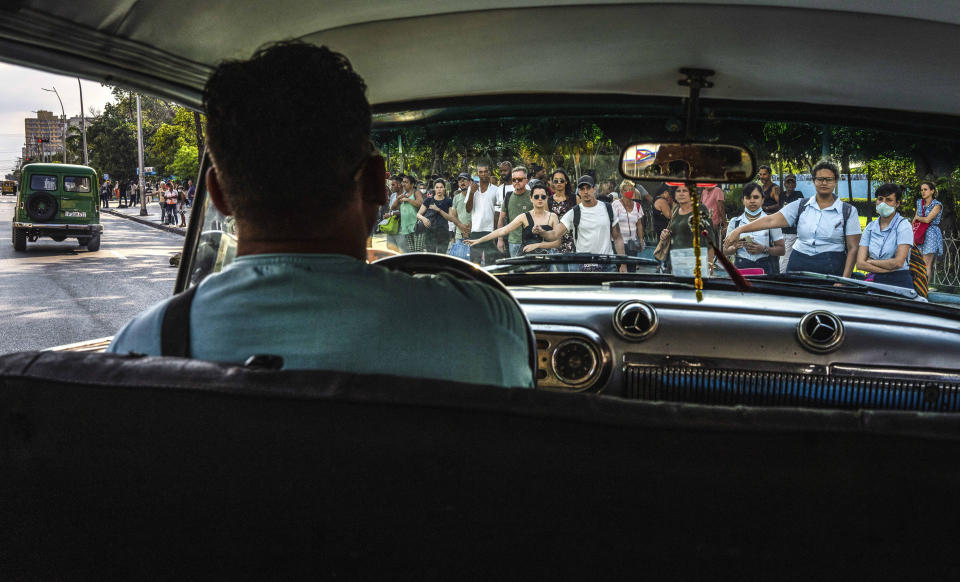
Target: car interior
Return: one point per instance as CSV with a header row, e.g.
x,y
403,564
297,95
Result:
x,y
682,428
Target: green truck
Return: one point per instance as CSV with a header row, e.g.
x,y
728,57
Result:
x,y
57,201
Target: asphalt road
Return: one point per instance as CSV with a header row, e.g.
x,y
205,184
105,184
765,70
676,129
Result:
x,y
57,293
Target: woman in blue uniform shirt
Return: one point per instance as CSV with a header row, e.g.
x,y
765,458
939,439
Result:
x,y
885,244
828,229
757,251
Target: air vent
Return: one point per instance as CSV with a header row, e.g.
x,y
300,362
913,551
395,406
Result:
x,y
635,320
820,331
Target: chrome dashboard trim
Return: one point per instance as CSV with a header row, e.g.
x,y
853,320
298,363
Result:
x,y
635,320
555,336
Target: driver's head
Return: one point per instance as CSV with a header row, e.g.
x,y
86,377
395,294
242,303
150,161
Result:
x,y
288,131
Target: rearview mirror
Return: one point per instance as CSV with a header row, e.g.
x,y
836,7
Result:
x,y
702,162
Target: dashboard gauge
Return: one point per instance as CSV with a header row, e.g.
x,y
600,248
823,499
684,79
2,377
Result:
x,y
574,362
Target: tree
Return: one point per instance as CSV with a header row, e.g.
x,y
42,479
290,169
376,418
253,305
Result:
x,y
185,165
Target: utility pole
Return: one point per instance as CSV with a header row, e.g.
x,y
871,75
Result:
x,y
143,193
83,126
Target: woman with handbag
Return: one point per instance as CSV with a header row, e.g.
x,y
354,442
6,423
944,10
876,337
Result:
x,y
756,250
630,216
434,214
926,225
679,231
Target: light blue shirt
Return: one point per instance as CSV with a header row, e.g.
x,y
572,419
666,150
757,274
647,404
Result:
x,y
883,243
820,231
763,237
333,312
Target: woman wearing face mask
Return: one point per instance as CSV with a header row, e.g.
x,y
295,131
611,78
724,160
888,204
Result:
x,y
539,216
755,250
433,215
928,211
885,243
562,201
680,230
630,216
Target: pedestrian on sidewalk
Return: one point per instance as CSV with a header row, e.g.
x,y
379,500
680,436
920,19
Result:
x,y
170,203
105,195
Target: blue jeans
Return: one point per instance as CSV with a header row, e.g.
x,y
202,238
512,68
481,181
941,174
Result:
x,y
824,263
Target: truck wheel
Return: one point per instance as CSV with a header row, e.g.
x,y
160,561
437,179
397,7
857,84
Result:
x,y
19,240
94,243
83,240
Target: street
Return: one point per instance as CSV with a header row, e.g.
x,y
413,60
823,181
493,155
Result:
x,y
57,293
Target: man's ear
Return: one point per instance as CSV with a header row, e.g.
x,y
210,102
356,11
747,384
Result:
x,y
373,190
216,192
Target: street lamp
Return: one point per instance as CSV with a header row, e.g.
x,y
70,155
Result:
x,y
83,127
63,117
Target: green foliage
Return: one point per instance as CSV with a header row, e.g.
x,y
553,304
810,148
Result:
x,y
185,165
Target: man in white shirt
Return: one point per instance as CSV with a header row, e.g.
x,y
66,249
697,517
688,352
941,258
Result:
x,y
482,203
597,225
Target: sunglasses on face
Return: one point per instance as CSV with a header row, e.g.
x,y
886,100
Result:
x,y
539,196
556,181
518,179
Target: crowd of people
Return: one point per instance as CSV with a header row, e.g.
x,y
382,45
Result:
x,y
174,197
517,211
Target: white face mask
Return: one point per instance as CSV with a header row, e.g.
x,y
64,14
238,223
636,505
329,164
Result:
x,y
885,210
753,212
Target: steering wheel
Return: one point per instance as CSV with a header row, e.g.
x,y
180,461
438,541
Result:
x,y
432,264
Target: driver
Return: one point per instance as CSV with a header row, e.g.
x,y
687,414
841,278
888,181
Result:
x,y
299,287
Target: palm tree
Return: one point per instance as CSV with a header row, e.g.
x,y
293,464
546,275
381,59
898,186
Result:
x,y
74,145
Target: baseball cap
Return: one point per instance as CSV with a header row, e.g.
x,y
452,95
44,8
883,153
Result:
x,y
790,177
586,179
463,176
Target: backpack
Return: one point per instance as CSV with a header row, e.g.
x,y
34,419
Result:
x,y
847,209
576,219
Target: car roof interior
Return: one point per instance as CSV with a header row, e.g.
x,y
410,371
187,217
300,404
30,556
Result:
x,y
816,51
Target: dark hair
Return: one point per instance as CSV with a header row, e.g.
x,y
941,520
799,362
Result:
x,y
930,185
888,189
440,181
568,190
538,185
765,167
749,188
825,165
255,107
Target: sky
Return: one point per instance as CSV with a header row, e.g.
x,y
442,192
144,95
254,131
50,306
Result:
x,y
21,95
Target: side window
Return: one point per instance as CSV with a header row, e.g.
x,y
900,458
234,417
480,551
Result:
x,y
40,182
76,183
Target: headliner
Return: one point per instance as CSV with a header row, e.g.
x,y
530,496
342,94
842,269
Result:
x,y
818,52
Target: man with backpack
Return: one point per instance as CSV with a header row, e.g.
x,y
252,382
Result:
x,y
595,229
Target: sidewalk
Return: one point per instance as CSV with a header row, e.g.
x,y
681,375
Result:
x,y
152,218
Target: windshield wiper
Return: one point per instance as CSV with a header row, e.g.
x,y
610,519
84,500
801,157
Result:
x,y
563,258
806,277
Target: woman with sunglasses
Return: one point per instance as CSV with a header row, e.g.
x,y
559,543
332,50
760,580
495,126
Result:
x,y
885,243
539,216
562,201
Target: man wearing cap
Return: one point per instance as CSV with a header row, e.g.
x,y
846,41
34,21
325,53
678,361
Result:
x,y
596,228
789,233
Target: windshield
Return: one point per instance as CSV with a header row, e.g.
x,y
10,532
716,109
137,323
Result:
x,y
544,195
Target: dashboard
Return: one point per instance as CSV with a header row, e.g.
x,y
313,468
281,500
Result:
x,y
741,348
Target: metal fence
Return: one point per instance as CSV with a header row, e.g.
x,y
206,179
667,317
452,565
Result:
x,y
946,268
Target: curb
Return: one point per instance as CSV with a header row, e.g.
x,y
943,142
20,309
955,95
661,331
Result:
x,y
154,224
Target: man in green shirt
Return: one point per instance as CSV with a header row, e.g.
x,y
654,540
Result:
x,y
515,203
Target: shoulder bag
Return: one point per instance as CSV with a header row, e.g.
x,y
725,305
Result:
x,y
920,228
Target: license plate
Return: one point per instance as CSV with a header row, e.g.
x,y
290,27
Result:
x,y
75,214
